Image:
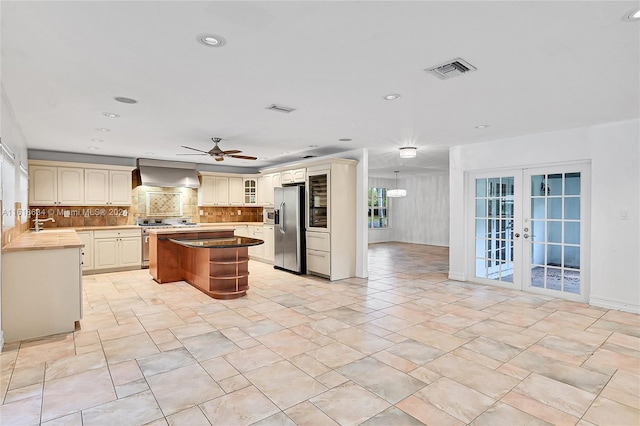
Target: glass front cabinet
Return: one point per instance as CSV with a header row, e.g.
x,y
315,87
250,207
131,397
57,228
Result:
x,y
250,191
318,202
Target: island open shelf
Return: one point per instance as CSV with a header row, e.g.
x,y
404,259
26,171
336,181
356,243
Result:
x,y
215,262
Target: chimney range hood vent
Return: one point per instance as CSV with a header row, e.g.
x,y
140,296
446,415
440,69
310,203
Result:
x,y
172,174
451,69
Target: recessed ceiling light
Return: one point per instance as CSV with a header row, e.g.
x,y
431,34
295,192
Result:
x,y
345,140
111,114
149,153
93,147
482,126
211,40
102,129
97,140
391,97
284,152
633,15
263,158
125,100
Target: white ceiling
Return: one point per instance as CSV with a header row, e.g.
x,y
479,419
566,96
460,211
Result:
x,y
542,66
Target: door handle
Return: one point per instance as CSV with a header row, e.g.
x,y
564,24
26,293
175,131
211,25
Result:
x,y
281,217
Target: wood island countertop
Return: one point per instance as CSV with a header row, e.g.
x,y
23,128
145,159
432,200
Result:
x,y
51,239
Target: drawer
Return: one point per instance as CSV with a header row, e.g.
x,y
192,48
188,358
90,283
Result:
x,y
319,241
319,262
117,233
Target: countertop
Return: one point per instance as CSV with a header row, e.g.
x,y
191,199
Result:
x,y
51,239
218,242
188,229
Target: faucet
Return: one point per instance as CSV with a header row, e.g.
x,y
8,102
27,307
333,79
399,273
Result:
x,y
37,221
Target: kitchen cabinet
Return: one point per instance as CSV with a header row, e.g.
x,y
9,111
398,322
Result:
x,y
51,186
117,249
41,292
293,176
266,183
331,219
250,192
107,187
255,231
236,191
268,246
214,191
87,250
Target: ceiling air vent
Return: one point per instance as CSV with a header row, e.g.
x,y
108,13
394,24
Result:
x,y
451,69
280,108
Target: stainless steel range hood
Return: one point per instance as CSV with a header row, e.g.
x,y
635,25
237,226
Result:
x,y
172,174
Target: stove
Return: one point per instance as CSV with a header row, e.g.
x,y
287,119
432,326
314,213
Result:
x,y
157,223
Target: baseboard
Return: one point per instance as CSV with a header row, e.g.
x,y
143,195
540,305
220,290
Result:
x,y
618,305
457,276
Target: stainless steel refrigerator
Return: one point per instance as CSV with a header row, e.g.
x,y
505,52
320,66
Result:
x,y
290,252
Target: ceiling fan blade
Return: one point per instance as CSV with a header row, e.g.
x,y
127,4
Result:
x,y
243,157
199,150
219,158
233,151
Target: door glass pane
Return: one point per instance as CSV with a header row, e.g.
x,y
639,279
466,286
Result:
x,y
481,187
572,232
572,184
554,184
555,240
554,208
537,230
554,232
572,208
537,208
494,228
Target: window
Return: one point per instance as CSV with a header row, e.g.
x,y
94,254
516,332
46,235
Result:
x,y
8,188
378,216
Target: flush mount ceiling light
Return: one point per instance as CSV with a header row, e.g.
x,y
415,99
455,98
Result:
x,y
345,139
633,15
391,97
408,152
97,140
482,126
125,100
111,114
211,40
92,147
396,193
102,129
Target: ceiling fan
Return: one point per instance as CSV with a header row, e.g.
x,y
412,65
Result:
x,y
218,153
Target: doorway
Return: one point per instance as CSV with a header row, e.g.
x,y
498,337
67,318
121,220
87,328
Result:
x,y
529,229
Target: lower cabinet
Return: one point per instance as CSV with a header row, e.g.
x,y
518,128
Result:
x,y
319,253
87,250
41,292
268,246
117,249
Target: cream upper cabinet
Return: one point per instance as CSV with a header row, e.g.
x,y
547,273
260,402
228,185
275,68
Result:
x,y
293,176
236,191
53,183
206,192
107,187
96,186
214,191
250,191
50,186
266,183
222,191
120,187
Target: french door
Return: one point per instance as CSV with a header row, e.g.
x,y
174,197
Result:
x,y
530,229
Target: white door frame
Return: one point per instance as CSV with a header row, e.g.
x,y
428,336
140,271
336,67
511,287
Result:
x,y
522,246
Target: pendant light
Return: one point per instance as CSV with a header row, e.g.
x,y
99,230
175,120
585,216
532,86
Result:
x,y
396,193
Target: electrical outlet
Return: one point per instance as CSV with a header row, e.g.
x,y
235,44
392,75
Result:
x,y
239,212
201,212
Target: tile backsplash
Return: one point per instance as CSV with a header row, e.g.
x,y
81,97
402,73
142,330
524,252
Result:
x,y
229,214
78,216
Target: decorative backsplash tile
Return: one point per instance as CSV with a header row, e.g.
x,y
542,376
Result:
x,y
79,216
164,204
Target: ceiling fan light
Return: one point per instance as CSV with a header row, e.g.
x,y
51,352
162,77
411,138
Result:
x,y
396,193
408,152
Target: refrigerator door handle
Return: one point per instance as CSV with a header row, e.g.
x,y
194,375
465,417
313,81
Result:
x,y
282,204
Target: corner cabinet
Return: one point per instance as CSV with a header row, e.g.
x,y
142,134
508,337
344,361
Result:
x,y
331,219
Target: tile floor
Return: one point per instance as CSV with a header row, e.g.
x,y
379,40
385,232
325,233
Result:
x,y
405,347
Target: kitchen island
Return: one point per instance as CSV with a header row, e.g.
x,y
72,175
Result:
x,y
215,262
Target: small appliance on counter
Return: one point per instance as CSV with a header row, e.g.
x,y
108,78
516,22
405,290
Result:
x,y
289,242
